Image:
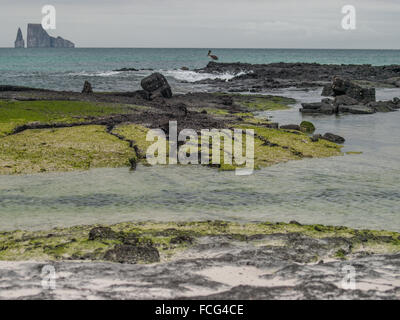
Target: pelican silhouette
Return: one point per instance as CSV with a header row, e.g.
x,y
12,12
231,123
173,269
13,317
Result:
x,y
212,56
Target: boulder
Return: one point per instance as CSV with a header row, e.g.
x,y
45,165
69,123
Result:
x,y
340,87
185,69
307,127
157,84
333,138
87,88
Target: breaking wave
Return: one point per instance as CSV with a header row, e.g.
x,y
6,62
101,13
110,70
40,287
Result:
x,y
95,74
192,76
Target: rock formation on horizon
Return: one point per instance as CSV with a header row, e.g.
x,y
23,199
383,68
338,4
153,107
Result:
x,y
19,42
37,37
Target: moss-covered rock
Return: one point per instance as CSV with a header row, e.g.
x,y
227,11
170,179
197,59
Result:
x,y
141,242
307,127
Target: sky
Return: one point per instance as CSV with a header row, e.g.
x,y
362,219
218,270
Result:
x,y
210,23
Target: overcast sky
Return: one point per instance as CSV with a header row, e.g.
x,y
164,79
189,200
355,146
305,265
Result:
x,y
210,23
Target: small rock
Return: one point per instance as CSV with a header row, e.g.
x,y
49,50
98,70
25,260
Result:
x,y
333,138
316,137
185,69
290,127
87,88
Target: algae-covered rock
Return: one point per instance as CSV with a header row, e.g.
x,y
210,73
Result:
x,y
102,233
123,253
307,127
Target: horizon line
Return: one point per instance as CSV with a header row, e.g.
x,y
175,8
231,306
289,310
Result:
x,y
217,48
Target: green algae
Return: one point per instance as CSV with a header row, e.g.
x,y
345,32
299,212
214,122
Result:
x,y
81,148
17,113
258,102
64,149
171,238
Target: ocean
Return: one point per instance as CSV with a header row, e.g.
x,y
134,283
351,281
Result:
x,y
359,190
67,69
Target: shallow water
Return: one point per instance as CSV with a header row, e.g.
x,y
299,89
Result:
x,y
360,191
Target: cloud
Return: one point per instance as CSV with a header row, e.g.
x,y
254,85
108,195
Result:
x,y
210,23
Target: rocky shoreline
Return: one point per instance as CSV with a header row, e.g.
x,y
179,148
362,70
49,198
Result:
x,y
198,260
129,116
349,98
262,77
201,260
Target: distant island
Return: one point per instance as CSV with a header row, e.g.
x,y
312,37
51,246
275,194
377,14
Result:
x,y
37,37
